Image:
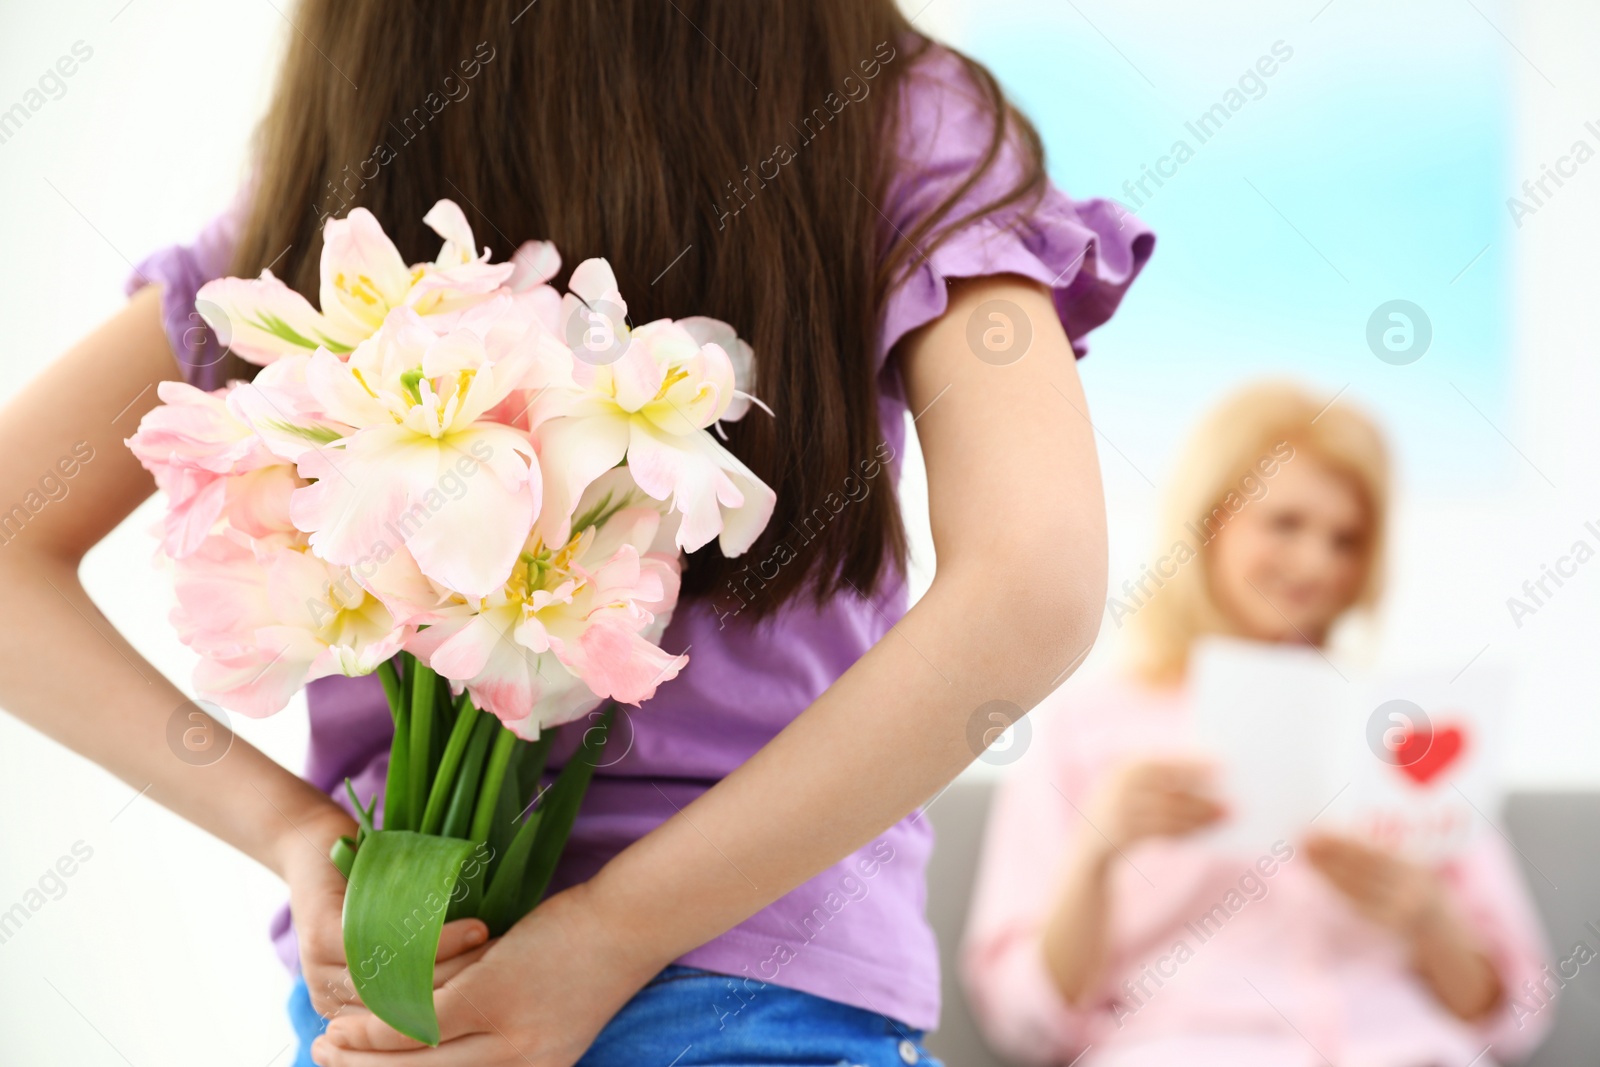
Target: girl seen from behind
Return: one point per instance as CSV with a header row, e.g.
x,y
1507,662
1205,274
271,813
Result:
x,y
849,197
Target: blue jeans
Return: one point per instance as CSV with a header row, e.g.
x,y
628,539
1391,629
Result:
x,y
705,1019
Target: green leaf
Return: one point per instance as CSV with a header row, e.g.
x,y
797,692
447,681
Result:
x,y
560,810
503,902
394,908
508,811
517,795
469,891
364,816
363,812
444,720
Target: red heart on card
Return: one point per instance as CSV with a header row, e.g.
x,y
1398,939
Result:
x,y
1423,755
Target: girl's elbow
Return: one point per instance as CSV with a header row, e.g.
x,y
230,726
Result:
x,y
1078,622
1064,603
1039,600
1050,625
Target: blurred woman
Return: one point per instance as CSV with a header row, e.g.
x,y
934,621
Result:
x,y
1083,945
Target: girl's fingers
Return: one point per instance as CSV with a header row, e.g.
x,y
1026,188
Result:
x,y
474,1050
461,944
332,992
443,972
1327,852
1199,810
366,1032
460,936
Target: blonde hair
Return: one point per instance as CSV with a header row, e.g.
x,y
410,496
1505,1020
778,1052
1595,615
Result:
x,y
1231,456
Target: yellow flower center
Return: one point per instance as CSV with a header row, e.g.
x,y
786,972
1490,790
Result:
x,y
673,378
364,289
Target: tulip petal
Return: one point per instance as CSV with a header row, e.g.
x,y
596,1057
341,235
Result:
x,y
469,540
447,220
573,452
536,262
262,319
363,275
358,492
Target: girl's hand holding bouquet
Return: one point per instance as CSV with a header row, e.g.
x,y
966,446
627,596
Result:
x,y
480,489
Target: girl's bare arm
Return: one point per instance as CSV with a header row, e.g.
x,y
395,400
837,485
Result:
x,y
1019,526
63,668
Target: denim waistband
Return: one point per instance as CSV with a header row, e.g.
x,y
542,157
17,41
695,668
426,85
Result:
x,y
707,1019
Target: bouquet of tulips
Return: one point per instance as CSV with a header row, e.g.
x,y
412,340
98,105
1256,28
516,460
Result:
x,y
479,488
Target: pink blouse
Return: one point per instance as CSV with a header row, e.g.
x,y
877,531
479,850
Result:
x,y
1217,960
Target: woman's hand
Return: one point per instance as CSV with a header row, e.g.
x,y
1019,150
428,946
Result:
x,y
1412,901
1148,798
1385,888
316,901
536,998
1155,798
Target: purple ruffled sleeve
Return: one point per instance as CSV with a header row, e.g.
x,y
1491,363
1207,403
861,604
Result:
x,y
181,270
1088,252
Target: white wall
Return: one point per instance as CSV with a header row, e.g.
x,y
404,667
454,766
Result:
x,y
157,954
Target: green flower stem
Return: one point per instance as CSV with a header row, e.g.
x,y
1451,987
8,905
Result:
x,y
393,787
458,819
363,811
505,744
422,709
391,684
444,781
343,855
396,813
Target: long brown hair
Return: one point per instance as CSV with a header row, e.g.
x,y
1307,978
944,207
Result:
x,y
647,132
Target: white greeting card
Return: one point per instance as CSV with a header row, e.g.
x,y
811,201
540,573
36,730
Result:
x,y
1402,759
1270,716
1432,784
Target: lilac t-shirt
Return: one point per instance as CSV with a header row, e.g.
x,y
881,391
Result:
x,y
856,932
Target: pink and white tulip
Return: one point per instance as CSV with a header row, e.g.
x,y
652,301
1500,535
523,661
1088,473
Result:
x,y
363,279
651,406
423,467
212,466
266,624
574,624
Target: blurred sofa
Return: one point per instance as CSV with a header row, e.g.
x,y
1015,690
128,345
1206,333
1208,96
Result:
x,y
1556,834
